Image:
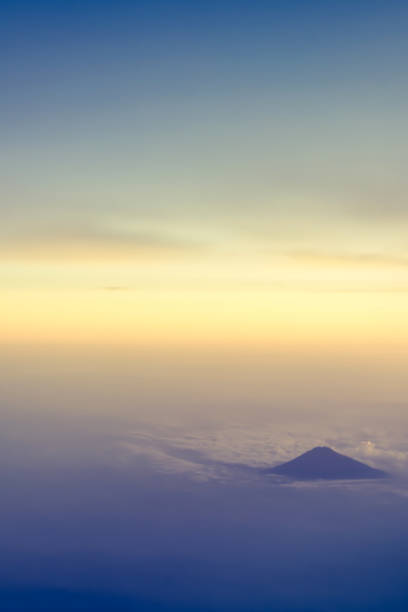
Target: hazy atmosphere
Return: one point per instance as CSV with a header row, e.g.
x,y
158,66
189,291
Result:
x,y
204,274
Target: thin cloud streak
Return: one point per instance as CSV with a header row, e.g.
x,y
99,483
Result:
x,y
344,258
94,242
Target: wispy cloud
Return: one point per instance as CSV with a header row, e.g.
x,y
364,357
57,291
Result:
x,y
92,240
116,288
330,258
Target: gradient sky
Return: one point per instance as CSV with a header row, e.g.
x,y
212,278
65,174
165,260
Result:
x,y
203,262
203,172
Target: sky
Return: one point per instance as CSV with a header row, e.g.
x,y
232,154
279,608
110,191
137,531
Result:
x,y
203,272
203,173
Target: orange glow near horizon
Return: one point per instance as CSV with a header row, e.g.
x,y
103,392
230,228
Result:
x,y
203,317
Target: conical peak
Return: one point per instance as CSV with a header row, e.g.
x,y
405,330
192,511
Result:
x,y
324,462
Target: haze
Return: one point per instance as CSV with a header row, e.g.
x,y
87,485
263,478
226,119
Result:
x,y
204,271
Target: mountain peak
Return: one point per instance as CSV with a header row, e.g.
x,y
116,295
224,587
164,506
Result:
x,y
322,462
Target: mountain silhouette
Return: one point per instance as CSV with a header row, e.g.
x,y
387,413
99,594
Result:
x,y
323,462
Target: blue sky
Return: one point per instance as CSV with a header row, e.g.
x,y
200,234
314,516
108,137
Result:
x,y
207,143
